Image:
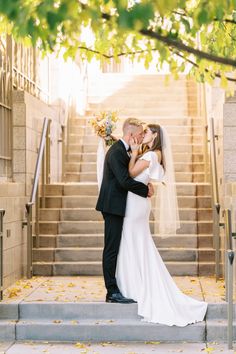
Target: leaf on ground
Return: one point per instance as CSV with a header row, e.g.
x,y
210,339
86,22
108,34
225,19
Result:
x,y
74,322
80,345
14,292
151,342
71,285
57,321
27,285
105,344
209,350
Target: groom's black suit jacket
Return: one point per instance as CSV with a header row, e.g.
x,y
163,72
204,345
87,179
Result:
x,y
116,182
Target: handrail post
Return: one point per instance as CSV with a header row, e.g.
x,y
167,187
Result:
x,y
228,245
230,260
216,204
2,213
63,152
43,181
29,270
37,218
48,148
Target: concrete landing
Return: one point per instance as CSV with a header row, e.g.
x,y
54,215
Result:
x,y
114,348
91,289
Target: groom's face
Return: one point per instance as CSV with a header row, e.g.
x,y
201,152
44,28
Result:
x,y
138,134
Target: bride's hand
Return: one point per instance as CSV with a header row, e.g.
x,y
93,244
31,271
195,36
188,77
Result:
x,y
134,144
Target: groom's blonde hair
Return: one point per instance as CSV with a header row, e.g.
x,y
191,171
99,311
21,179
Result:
x,y
130,123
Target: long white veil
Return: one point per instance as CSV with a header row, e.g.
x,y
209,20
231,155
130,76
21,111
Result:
x,y
166,206
166,210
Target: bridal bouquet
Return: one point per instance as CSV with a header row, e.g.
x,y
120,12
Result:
x,y
104,124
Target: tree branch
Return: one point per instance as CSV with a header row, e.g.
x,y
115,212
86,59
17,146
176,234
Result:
x,y
107,56
153,50
181,46
206,70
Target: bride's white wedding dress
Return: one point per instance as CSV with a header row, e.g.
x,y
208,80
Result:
x,y
141,274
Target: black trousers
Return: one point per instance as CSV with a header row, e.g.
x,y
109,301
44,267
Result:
x,y
113,231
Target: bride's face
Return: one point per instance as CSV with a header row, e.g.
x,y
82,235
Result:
x,y
149,136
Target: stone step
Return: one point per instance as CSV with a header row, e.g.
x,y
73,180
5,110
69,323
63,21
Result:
x,y
91,254
114,89
98,321
157,77
78,227
88,130
120,330
139,112
177,121
142,101
92,157
175,138
95,268
7,330
92,167
106,87
43,310
89,201
87,214
92,240
92,177
86,188
187,148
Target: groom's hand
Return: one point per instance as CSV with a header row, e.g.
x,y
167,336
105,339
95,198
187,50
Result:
x,y
150,190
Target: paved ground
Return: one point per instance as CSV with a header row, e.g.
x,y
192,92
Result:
x,y
86,289
113,348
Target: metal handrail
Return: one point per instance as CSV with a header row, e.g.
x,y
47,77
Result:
x,y
2,213
44,143
216,203
229,260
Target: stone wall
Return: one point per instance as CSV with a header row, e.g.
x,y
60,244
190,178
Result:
x,y
12,199
28,116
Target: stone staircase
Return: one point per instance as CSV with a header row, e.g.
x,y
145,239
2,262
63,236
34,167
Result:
x,y
71,231
60,321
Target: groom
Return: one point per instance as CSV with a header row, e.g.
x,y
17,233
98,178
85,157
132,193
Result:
x,y
112,202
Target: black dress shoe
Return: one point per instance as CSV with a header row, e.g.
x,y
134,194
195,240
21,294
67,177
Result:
x,y
118,298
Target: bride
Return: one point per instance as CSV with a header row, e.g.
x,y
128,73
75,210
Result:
x,y
141,273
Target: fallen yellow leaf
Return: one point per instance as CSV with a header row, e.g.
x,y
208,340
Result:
x,y
71,285
80,345
209,350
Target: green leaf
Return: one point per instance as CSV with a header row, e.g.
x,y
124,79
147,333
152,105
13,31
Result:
x,y
186,24
202,16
